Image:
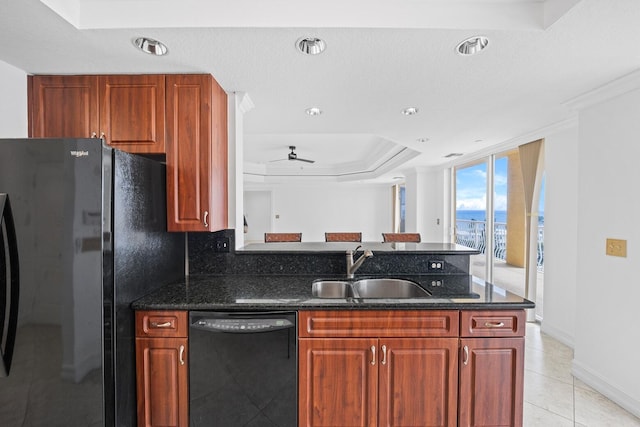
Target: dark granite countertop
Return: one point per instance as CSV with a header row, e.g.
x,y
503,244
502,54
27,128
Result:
x,y
293,292
341,247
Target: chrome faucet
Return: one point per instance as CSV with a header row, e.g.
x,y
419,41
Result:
x,y
353,266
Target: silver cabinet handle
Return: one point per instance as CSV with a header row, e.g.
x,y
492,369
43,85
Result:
x,y
206,217
102,136
373,354
384,355
161,325
94,135
465,358
181,355
493,324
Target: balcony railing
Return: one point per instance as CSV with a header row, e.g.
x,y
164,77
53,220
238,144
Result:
x,y
472,233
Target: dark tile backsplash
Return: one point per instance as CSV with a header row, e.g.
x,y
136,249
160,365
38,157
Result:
x,y
204,260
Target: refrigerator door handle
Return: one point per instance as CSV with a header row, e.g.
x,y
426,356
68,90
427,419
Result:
x,y
9,285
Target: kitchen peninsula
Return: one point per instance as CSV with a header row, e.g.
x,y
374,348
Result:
x,y
452,358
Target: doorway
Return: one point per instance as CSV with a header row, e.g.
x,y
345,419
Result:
x,y
258,206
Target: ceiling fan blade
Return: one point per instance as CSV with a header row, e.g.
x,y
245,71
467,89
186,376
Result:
x,y
277,160
304,160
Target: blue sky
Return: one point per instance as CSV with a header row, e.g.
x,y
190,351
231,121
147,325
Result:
x,y
471,187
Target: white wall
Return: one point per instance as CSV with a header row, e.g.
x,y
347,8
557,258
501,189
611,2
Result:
x,y
561,234
13,102
425,204
608,204
313,209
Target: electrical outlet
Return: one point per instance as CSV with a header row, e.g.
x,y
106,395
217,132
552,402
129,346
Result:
x,y
435,265
617,247
222,244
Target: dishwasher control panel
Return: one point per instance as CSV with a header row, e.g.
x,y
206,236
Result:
x,y
235,325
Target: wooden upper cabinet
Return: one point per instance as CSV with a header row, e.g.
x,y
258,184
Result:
x,y
63,106
127,110
196,153
132,112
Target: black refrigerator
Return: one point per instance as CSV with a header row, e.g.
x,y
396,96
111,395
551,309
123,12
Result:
x,y
90,238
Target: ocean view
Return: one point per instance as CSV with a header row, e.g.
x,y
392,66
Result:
x,y
481,215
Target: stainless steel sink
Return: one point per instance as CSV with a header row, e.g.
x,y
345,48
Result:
x,y
368,288
331,289
388,288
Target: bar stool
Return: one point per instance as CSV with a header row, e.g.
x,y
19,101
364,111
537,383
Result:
x,y
401,237
282,237
343,237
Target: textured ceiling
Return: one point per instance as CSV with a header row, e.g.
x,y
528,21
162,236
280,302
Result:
x,y
381,57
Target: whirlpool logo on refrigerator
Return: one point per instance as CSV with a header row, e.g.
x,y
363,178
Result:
x,y
79,153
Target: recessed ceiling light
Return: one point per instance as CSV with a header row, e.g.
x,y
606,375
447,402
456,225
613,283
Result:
x,y
311,45
313,111
410,111
422,140
472,45
150,46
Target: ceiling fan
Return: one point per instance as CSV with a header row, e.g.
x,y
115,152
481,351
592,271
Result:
x,y
293,156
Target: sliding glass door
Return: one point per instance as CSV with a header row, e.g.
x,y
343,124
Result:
x,y
491,216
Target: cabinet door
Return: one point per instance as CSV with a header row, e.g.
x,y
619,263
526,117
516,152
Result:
x,y
132,112
491,382
338,382
162,382
196,154
63,106
418,382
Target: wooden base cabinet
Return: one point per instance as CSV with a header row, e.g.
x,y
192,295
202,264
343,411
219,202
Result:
x,y
491,368
418,382
161,369
382,380
491,382
338,382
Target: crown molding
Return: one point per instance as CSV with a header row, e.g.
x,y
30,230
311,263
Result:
x,y
540,133
605,92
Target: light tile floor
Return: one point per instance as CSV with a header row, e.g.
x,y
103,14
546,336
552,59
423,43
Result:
x,y
553,398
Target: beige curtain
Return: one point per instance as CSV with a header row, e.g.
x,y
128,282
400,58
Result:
x,y
532,165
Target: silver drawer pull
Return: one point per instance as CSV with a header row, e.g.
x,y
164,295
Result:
x,y
384,355
465,359
161,325
494,324
373,354
206,218
181,355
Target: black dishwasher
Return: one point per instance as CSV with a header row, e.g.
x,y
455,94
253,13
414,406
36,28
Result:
x,y
242,369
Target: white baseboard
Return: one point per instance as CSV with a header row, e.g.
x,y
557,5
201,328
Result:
x,y
557,334
593,380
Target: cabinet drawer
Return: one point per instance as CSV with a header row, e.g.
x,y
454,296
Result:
x,y
492,323
379,323
161,324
